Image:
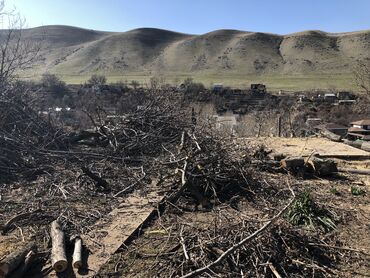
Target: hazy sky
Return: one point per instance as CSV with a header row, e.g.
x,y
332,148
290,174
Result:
x,y
199,16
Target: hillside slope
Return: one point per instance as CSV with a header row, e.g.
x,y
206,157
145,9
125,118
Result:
x,y
147,51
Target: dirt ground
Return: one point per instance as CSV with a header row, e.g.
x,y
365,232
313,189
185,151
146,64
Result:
x,y
307,147
152,254
155,251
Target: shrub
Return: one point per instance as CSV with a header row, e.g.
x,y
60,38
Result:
x,y
134,84
193,87
53,84
97,80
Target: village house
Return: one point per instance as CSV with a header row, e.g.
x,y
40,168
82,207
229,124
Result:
x,y
360,130
334,128
330,97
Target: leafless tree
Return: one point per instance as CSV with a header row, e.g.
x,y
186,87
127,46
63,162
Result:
x,y
361,76
17,53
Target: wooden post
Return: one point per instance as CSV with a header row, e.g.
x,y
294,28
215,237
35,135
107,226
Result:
x,y
58,255
279,126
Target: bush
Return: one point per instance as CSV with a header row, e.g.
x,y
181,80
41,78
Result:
x,y
53,84
97,80
134,84
193,87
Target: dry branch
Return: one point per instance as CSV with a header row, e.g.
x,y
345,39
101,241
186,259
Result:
x,y
240,244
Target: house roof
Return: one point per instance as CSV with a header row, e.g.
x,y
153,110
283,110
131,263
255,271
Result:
x,y
361,122
334,126
357,129
331,126
359,135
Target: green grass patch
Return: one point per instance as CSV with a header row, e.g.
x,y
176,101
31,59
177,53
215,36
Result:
x,y
305,212
357,191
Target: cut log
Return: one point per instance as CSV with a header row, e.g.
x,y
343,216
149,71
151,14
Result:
x,y
58,255
24,267
12,261
354,171
292,164
279,156
330,135
77,253
322,167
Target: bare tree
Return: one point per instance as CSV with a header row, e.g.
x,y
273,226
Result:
x,y
361,76
17,53
97,80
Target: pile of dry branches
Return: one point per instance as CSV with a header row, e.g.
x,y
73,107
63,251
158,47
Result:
x,y
24,136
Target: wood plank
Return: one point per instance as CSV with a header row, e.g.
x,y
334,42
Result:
x,y
112,231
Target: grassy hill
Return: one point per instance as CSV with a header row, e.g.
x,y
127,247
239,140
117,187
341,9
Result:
x,y
310,59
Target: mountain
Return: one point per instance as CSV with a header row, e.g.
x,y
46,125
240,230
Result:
x,y
77,52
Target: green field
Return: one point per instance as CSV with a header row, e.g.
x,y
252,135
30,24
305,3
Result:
x,y
273,82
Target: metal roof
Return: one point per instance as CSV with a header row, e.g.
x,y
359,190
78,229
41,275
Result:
x,y
361,122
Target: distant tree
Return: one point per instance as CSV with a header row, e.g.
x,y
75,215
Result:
x,y
134,84
17,53
193,87
53,84
157,82
361,76
97,80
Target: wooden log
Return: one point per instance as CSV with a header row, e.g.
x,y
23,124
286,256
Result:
x,y
24,267
330,135
356,144
279,156
292,164
322,167
58,255
13,260
354,171
77,253
365,146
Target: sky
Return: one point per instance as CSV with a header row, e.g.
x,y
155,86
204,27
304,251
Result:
x,y
199,16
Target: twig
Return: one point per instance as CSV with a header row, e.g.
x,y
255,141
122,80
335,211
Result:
x,y
11,221
182,242
273,269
